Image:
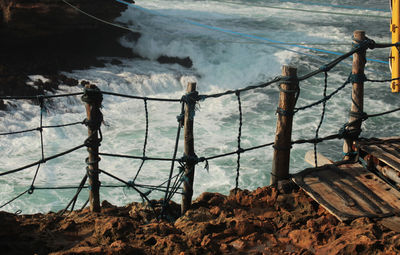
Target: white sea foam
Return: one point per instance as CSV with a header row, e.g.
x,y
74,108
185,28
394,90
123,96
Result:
x,y
220,62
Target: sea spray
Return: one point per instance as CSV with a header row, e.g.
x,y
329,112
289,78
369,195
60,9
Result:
x,y
220,62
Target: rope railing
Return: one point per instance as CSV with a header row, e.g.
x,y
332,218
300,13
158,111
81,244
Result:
x,y
38,97
172,185
44,127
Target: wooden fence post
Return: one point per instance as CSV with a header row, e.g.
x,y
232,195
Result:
x,y
93,99
283,136
357,105
189,152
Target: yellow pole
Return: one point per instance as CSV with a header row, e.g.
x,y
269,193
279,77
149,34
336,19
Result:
x,y
394,55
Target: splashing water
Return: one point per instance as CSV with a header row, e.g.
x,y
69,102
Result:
x,y
220,62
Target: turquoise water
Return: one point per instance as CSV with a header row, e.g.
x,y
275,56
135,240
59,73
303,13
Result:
x,y
220,62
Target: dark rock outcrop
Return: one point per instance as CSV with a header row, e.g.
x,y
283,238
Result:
x,y
43,36
185,62
48,36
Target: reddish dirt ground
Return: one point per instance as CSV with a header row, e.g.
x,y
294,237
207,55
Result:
x,y
257,222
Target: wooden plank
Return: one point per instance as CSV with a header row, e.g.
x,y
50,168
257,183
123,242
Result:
x,y
390,173
321,159
383,154
349,191
392,223
386,150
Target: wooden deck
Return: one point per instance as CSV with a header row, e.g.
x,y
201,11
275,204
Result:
x,y
386,150
350,191
383,154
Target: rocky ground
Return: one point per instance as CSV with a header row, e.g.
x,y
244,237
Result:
x,y
257,222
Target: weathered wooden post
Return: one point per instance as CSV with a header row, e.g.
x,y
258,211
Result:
x,y
188,150
283,136
93,99
357,105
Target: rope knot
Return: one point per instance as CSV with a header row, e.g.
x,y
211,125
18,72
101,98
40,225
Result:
x,y
180,118
92,141
91,172
93,161
194,160
31,190
325,68
283,112
290,79
371,44
359,115
94,123
352,134
92,95
357,78
191,98
364,44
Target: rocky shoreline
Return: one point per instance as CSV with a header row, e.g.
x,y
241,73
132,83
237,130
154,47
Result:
x,y
45,37
257,222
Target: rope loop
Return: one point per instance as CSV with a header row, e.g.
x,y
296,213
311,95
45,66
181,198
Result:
x,y
281,148
288,90
364,44
92,141
325,68
359,115
283,112
357,78
91,172
31,190
92,96
93,161
351,134
371,44
94,123
289,80
194,160
180,118
191,98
